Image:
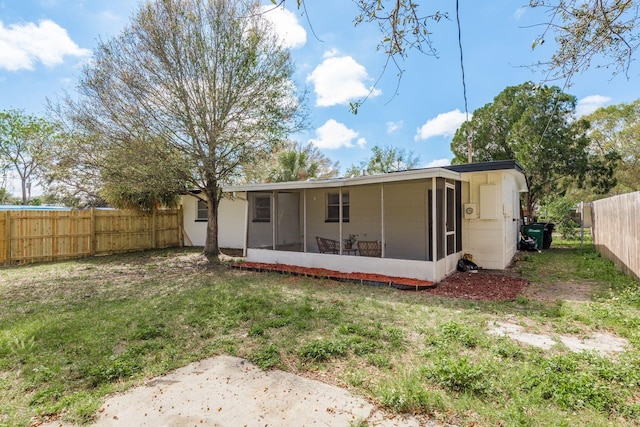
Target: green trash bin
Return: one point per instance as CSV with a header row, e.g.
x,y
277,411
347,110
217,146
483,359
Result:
x,y
537,232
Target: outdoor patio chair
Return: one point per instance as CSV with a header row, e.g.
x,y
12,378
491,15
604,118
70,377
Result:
x,y
370,248
328,245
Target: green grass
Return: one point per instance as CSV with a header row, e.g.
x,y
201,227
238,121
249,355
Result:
x,y
72,332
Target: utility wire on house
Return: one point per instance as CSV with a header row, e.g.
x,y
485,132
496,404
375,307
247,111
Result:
x,y
464,86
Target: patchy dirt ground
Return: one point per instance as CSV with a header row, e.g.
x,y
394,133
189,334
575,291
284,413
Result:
x,y
485,285
566,291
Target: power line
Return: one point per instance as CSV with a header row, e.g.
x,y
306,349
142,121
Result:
x,y
464,84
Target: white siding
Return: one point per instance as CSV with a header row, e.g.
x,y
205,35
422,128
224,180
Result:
x,y
422,270
230,223
511,213
492,242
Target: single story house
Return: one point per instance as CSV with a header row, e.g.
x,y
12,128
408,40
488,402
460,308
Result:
x,y
414,224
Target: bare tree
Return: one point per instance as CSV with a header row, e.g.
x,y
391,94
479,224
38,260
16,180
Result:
x,y
586,31
191,90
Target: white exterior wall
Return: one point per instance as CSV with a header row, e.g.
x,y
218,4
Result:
x,y
511,214
422,270
231,222
492,242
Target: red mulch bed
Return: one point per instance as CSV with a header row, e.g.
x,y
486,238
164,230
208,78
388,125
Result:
x,y
403,283
484,285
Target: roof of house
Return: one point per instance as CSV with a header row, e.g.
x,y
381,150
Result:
x,y
349,181
451,172
486,166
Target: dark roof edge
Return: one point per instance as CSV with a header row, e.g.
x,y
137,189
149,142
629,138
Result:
x,y
486,166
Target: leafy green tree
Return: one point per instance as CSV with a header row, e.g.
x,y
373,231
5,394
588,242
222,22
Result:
x,y
616,129
6,198
384,160
559,211
25,141
536,126
299,163
189,92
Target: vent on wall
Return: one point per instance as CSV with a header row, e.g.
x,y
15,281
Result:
x,y
470,211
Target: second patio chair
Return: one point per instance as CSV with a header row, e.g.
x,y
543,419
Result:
x,y
369,248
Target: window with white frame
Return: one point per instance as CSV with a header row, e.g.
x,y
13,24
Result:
x,y
262,209
333,207
202,214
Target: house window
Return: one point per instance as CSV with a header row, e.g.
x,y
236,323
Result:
x,y
262,209
202,214
333,207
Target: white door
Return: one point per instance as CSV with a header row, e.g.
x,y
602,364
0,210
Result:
x,y
450,216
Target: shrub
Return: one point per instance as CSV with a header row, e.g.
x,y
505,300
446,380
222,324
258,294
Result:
x,y
265,357
464,334
460,375
558,211
321,350
408,394
563,380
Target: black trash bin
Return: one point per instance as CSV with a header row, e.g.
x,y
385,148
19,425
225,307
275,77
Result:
x,y
547,236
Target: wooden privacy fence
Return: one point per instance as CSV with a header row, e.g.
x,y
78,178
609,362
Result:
x,y
31,236
616,230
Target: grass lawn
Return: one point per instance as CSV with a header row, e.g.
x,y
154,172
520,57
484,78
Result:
x,y
72,332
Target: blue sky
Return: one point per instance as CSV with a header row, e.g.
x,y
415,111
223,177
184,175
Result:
x,y
44,43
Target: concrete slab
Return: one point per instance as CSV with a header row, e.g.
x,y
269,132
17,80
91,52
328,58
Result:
x,y
229,391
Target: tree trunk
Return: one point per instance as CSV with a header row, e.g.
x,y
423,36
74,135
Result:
x,y
211,249
25,199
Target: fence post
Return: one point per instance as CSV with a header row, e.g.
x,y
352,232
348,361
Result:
x,y
154,226
7,258
92,237
180,226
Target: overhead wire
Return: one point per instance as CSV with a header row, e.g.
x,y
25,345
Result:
x,y
464,84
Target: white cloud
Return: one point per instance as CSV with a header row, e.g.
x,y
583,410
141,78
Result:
x,y
444,124
394,126
438,163
286,25
22,45
339,79
330,53
589,104
333,135
519,12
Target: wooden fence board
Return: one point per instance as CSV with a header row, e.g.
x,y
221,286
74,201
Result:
x,y
31,236
616,233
